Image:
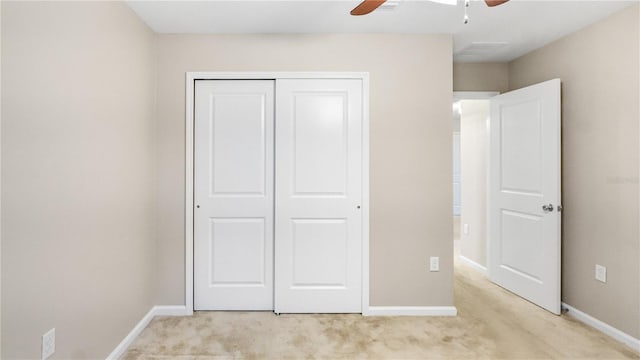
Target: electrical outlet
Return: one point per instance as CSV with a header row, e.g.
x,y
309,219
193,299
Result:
x,y
48,343
601,273
466,229
434,263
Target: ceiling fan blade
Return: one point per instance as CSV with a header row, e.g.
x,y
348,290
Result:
x,y
366,7
493,3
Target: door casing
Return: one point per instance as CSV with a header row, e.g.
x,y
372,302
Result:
x,y
190,79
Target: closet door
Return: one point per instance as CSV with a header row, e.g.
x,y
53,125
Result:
x,y
318,196
233,229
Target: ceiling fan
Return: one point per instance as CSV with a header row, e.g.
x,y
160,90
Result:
x,y
368,6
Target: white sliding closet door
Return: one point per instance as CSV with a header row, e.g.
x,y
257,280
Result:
x,y
278,190
318,220
233,184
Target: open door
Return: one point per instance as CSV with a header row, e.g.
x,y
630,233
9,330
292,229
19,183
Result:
x,y
524,226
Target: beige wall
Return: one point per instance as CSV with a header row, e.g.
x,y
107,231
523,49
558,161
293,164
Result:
x,y
481,77
410,147
77,176
599,68
474,151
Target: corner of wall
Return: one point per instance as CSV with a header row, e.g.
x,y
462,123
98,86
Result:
x,y
491,76
122,347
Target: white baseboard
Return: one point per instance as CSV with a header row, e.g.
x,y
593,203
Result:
x,y
177,310
124,344
603,327
465,260
171,310
411,311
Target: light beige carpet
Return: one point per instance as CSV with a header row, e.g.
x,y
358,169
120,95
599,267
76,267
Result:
x,y
491,324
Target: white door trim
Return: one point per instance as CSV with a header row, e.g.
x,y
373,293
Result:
x,y
473,95
189,156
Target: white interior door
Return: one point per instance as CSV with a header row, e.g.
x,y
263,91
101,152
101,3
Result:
x,y
318,196
524,195
233,184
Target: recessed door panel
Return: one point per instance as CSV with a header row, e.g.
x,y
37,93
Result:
x,y
237,252
521,136
521,251
320,253
233,183
238,146
320,143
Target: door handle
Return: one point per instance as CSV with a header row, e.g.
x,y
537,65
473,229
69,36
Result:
x,y
547,208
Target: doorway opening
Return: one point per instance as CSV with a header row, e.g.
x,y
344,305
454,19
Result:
x,y
510,226
470,172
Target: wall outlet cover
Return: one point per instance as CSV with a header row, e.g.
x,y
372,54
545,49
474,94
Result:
x,y
48,343
601,273
434,263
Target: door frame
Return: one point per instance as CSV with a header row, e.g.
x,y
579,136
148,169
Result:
x,y
190,78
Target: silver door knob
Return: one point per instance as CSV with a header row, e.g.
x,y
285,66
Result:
x,y
547,208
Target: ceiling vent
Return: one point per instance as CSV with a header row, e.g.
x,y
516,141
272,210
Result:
x,y
481,48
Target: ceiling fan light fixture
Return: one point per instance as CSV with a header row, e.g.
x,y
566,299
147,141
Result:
x,y
446,2
492,3
390,5
366,7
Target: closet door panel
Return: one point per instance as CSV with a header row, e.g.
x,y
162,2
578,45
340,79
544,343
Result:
x,y
318,196
233,182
